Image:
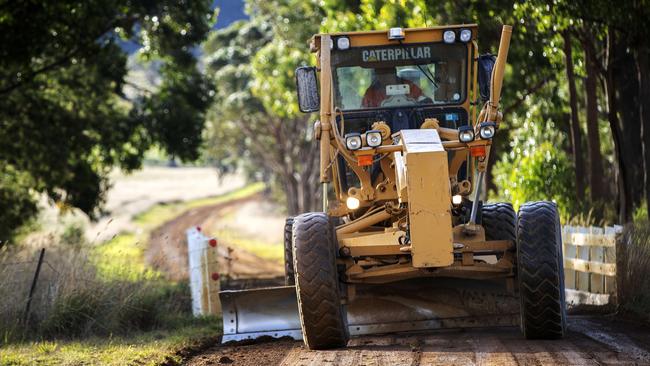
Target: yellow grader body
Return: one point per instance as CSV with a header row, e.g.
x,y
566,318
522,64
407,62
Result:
x,y
405,241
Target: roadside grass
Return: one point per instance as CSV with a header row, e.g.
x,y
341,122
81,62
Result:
x,y
102,304
149,348
633,262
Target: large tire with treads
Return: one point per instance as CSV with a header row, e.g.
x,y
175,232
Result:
x,y
540,271
499,221
288,252
317,285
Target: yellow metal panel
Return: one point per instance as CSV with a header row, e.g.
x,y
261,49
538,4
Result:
x,y
427,176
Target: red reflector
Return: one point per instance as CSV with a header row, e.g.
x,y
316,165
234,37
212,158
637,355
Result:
x,y
477,151
215,276
364,160
213,242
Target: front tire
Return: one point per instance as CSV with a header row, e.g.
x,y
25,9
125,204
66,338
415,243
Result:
x,y
541,271
317,286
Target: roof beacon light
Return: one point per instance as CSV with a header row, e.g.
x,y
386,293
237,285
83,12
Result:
x,y
395,34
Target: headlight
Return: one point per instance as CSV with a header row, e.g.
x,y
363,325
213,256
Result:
x,y
353,141
457,199
465,35
343,43
465,133
353,203
449,36
373,138
487,130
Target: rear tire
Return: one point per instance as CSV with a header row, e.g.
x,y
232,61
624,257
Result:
x,y
289,278
541,271
317,286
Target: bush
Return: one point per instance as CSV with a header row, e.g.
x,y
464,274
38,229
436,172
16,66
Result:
x,y
17,202
633,264
546,173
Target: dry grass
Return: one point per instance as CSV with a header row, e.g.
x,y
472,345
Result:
x,y
633,261
77,295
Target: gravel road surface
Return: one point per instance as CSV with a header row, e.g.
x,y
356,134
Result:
x,y
591,340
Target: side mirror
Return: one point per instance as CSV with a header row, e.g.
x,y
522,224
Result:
x,y
307,83
485,66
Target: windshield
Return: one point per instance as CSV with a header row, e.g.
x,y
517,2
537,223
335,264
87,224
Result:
x,y
400,75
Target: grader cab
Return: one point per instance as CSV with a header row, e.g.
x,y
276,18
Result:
x,y
405,241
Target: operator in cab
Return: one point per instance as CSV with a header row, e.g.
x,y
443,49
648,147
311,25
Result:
x,y
384,78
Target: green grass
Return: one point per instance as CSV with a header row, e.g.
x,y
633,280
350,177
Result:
x,y
122,258
150,348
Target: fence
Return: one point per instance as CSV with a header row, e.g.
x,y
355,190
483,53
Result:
x,y
590,264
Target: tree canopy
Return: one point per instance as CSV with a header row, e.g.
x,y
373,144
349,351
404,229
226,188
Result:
x,y
65,118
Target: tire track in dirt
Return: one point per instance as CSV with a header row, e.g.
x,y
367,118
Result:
x,y
497,346
167,249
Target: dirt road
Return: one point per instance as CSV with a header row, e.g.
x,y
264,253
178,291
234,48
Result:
x,y
167,249
134,193
591,340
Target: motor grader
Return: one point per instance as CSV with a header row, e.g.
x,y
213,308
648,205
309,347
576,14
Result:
x,y
405,241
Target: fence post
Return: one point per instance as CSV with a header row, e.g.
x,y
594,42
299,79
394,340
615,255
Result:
x,y
622,240
33,288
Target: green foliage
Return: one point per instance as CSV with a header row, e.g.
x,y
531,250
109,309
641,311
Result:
x,y
64,116
543,174
17,201
254,122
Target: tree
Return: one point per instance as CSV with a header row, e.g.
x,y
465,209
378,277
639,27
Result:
x,y
64,117
576,132
254,120
597,189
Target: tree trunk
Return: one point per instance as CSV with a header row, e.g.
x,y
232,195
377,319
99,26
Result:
x,y
576,134
627,87
624,197
596,178
643,70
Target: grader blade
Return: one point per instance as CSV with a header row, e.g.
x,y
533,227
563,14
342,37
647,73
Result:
x,y
414,305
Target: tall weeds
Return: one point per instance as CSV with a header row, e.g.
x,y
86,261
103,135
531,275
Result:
x,y
72,299
633,263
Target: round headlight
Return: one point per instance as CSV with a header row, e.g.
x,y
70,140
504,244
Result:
x,y
487,130
343,43
373,138
465,134
353,141
449,36
465,35
353,203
